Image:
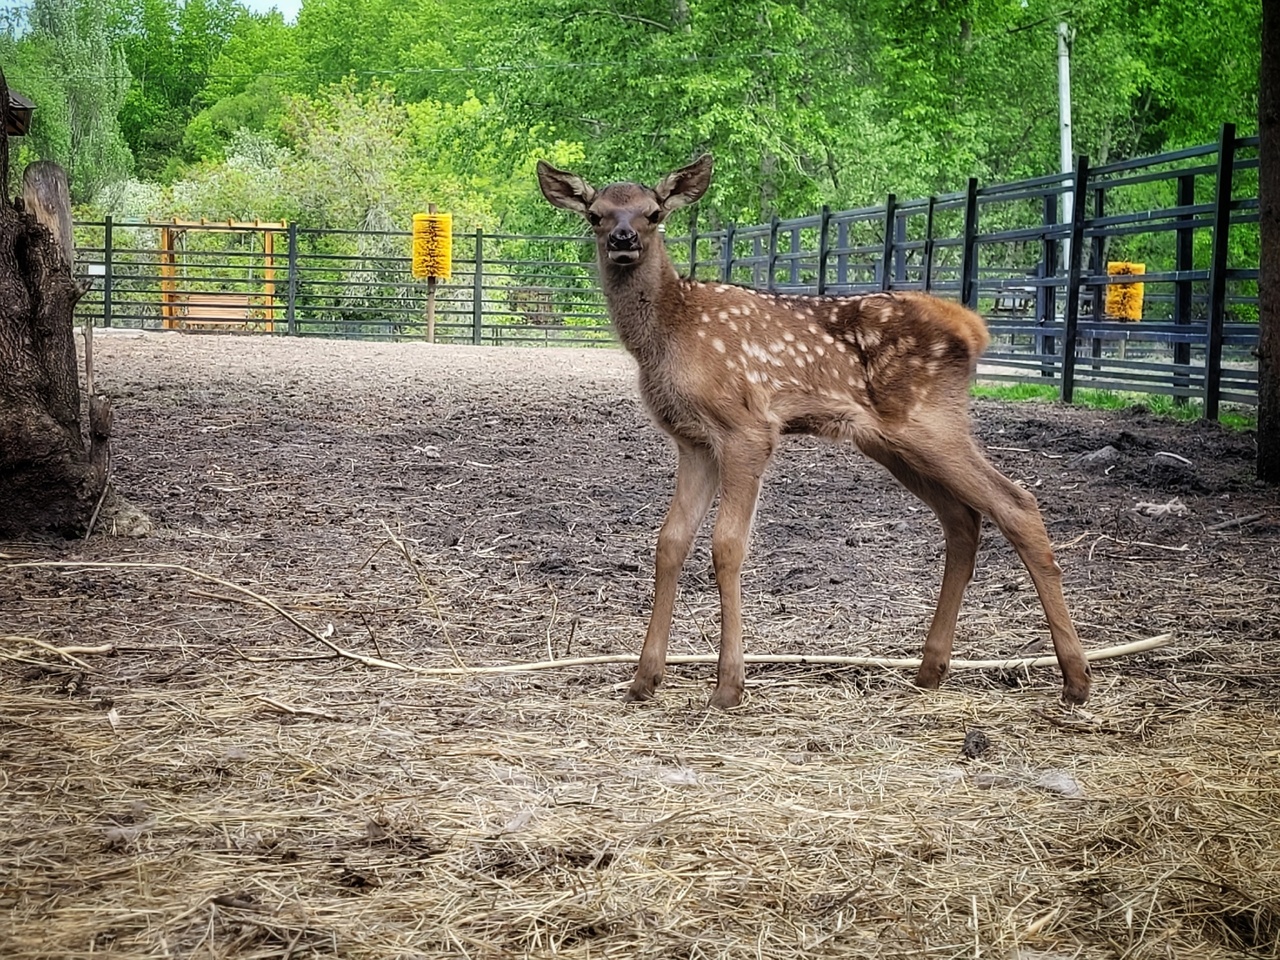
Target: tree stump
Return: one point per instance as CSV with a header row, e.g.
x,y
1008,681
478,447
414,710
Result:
x,y
49,483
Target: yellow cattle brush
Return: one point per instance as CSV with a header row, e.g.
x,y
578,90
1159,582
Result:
x,y
1124,300
432,245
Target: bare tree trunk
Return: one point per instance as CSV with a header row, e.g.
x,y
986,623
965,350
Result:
x,y
48,482
47,197
1269,267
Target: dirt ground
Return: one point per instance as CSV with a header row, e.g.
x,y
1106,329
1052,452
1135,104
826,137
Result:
x,y
219,783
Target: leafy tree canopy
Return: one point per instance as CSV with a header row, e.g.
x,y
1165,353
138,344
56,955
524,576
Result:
x,y
376,107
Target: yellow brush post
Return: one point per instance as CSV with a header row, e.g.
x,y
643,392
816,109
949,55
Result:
x,y
1124,300
432,256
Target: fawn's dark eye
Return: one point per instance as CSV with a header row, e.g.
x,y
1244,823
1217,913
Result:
x,y
593,219
655,216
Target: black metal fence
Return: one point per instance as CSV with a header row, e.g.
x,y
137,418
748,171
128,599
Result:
x,y
1189,219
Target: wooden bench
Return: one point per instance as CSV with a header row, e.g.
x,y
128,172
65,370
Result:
x,y
219,310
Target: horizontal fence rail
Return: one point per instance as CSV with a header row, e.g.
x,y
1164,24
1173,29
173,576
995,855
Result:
x,y
1058,311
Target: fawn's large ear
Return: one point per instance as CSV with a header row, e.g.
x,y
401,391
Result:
x,y
685,185
564,189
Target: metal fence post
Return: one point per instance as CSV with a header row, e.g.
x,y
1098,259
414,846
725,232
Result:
x,y
1218,271
477,293
773,253
291,288
107,280
1071,310
794,261
900,246
842,258
824,248
726,267
1098,262
1047,294
1183,261
928,246
886,256
693,244
969,257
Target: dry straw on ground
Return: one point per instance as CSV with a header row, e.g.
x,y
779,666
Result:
x,y
189,768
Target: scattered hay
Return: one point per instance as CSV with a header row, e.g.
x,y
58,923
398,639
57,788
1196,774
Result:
x,y
186,773
199,803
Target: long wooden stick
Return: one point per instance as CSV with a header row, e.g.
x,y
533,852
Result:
x,y
67,653
892,663
833,660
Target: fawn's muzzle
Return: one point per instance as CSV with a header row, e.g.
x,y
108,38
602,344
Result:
x,y
624,245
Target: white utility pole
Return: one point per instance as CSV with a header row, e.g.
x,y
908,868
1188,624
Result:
x,y
1064,130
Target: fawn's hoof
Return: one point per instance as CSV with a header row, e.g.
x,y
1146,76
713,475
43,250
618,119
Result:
x,y
726,698
640,692
1076,691
930,676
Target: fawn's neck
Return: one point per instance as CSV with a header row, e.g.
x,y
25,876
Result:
x,y
642,298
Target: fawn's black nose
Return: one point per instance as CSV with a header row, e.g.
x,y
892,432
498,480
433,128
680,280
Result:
x,y
624,238
624,245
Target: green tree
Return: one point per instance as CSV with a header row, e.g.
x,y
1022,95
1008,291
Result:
x,y
821,101
171,49
1204,61
80,79
248,86
350,148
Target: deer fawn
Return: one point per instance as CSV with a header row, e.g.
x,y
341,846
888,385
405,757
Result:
x,y
726,371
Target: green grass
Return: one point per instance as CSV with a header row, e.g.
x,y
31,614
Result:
x,y
1232,417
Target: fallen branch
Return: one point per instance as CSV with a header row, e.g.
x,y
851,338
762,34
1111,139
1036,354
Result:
x,y
67,653
835,660
1135,543
1235,522
210,578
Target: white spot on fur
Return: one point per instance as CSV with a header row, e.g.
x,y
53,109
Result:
x,y
788,336
718,344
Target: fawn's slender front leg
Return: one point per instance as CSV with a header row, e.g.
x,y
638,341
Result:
x,y
696,479
741,468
